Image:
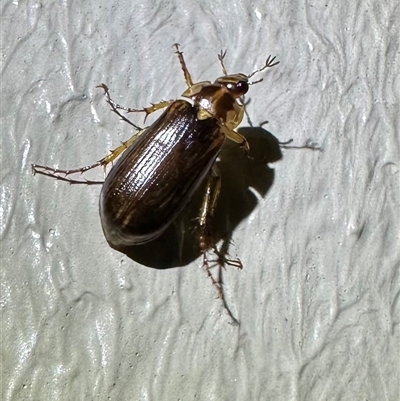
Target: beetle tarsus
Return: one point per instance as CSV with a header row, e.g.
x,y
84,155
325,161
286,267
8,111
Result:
x,y
47,172
218,283
115,107
215,283
222,260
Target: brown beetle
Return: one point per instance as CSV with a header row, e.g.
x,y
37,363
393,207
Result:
x,y
166,162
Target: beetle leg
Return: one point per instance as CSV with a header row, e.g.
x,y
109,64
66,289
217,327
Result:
x,y
238,138
206,238
148,110
44,170
55,172
121,148
221,57
115,106
60,174
207,210
186,72
154,107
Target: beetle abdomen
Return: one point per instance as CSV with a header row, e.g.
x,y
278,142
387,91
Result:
x,y
156,176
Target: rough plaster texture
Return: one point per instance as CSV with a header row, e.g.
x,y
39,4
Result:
x,y
318,300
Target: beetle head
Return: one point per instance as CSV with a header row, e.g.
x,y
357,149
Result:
x,y
236,84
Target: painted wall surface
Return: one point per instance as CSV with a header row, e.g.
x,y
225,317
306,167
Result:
x,y
318,300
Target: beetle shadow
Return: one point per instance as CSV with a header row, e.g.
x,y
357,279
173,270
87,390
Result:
x,y
241,176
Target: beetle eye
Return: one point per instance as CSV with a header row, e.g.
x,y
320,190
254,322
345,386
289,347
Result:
x,y
238,88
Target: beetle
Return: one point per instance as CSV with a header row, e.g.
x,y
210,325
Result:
x,y
162,165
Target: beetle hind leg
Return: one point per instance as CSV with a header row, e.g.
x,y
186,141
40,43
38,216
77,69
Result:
x,y
223,260
207,241
216,283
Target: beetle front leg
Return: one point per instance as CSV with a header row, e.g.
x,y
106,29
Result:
x,y
206,238
186,72
221,57
238,138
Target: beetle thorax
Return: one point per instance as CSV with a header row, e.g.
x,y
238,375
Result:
x,y
216,101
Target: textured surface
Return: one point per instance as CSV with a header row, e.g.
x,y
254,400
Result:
x,y
318,300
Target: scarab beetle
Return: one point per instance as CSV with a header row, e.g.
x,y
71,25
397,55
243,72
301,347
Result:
x,y
162,165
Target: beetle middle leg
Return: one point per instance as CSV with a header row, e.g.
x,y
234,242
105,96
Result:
x,y
147,110
206,237
61,174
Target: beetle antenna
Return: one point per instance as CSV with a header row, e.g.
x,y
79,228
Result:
x,y
268,64
256,82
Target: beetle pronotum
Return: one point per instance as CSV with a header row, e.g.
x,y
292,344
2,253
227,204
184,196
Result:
x,y
162,165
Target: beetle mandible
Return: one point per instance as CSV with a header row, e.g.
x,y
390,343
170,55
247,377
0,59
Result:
x,y
162,165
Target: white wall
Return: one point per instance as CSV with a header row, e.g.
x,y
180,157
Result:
x,y
318,299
